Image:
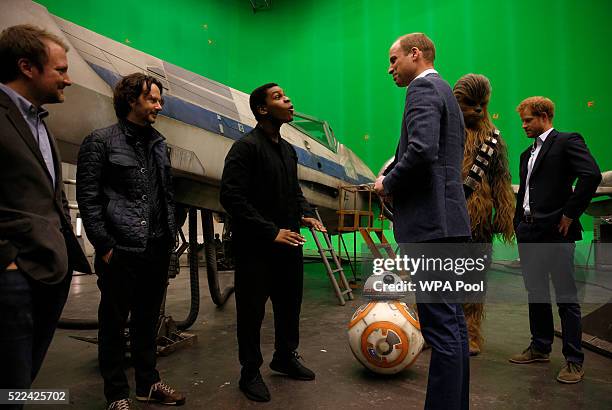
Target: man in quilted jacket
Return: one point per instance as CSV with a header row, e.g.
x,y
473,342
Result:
x,y
125,196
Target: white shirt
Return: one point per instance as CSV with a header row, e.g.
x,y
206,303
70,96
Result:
x,y
424,73
539,141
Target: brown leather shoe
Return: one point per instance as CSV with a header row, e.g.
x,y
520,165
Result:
x,y
163,394
530,355
571,373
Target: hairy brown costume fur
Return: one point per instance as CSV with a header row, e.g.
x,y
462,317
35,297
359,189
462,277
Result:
x,y
491,206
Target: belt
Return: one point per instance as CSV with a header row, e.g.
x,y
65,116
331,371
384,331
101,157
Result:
x,y
528,219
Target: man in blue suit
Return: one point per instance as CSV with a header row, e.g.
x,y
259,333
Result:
x,y
425,184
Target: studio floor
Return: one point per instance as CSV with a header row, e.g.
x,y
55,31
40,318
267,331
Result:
x,y
208,371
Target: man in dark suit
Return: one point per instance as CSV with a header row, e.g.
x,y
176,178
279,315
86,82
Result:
x,y
547,224
425,184
38,249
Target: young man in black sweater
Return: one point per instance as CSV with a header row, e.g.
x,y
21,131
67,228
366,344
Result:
x,y
261,193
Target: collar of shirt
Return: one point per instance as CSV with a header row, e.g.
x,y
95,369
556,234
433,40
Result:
x,y
26,108
426,72
542,137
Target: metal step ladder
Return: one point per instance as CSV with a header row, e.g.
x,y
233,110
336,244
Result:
x,y
343,288
375,248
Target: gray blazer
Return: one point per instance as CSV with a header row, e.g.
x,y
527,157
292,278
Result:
x,y
35,227
425,177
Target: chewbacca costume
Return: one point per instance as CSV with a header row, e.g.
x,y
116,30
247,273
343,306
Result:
x,y
491,204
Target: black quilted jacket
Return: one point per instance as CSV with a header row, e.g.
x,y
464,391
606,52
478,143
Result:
x,y
112,189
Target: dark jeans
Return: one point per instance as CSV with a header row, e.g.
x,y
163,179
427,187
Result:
x,y
444,329
545,253
130,284
29,312
276,272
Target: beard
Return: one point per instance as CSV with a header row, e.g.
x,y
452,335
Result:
x,y
151,117
54,97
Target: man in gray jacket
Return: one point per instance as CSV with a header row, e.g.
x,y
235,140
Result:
x,y
425,184
38,249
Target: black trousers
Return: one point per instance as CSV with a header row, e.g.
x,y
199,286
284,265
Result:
x,y
546,254
274,272
29,312
131,284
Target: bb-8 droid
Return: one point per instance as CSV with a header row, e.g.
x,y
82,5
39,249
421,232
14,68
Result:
x,y
384,335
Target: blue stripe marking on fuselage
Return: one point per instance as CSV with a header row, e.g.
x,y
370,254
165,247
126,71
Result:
x,y
192,114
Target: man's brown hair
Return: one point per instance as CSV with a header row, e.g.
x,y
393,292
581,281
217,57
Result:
x,y
24,41
538,106
420,41
129,88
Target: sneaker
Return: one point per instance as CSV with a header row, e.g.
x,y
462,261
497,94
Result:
x,y
530,355
254,387
571,373
163,394
292,367
123,404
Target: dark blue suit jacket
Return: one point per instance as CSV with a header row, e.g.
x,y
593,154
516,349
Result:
x,y
425,177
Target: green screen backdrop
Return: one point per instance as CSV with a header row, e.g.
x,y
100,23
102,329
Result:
x,y
331,56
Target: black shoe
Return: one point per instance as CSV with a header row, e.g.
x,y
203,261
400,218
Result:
x,y
292,367
254,387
